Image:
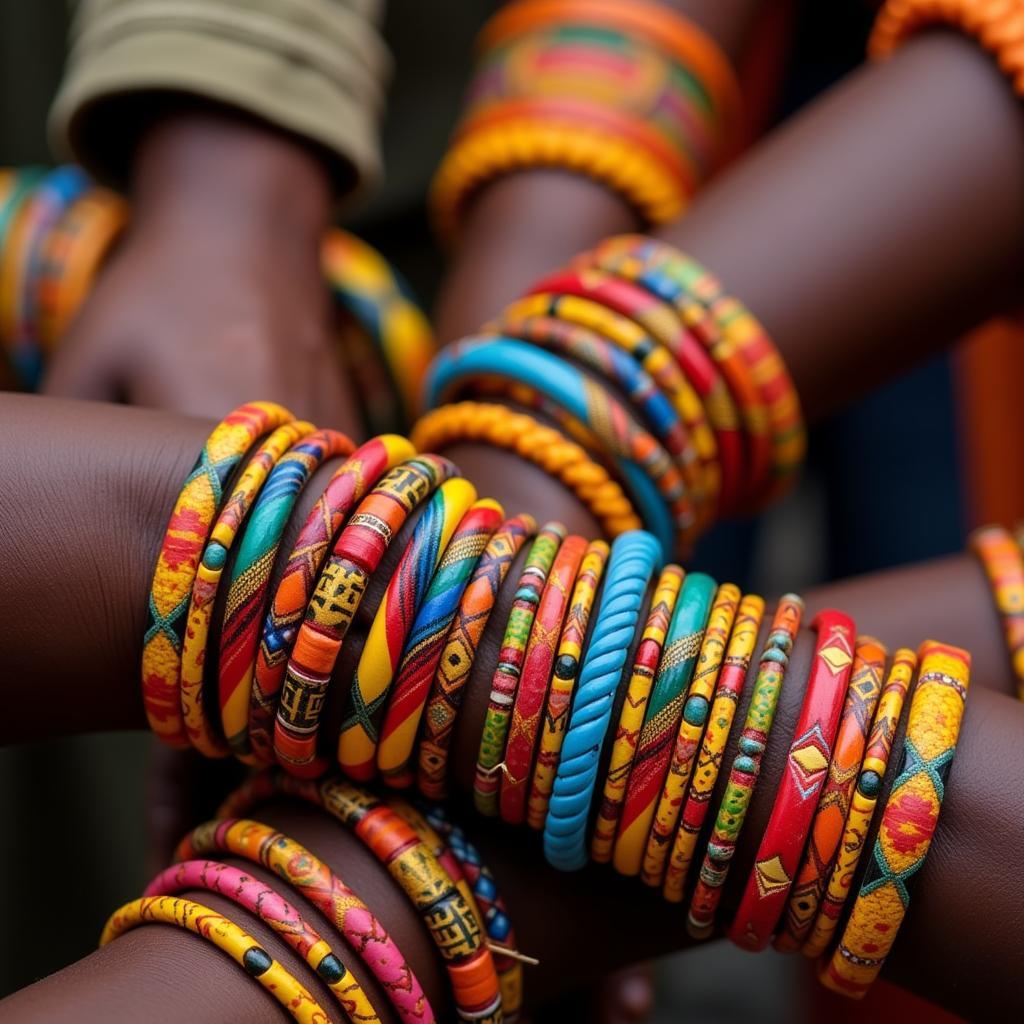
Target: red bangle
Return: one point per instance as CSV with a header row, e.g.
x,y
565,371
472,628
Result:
x,y
535,679
778,857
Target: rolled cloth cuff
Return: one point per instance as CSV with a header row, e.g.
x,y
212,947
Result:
x,y
316,68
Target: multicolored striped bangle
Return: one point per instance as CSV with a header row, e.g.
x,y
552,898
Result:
x,y
634,560
728,691
746,766
505,681
1000,555
785,835
532,692
908,821
382,651
563,681
426,641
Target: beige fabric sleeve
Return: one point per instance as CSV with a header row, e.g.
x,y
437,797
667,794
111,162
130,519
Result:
x,y
316,68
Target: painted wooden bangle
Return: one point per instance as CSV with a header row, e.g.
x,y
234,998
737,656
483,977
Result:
x,y
339,592
426,641
563,681
908,820
631,716
728,691
309,876
532,692
778,856
865,797
834,805
346,488
688,736
661,721
226,936
459,652
1001,557
191,520
505,681
746,767
634,560
279,915
391,626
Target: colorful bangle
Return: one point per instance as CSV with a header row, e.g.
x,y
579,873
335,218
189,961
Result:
x,y
382,651
427,638
661,721
908,821
1001,557
865,796
339,592
691,728
306,874
545,446
20,185
834,805
650,474
178,562
532,691
563,681
505,681
226,936
459,652
279,915
785,835
631,717
634,559
250,579
728,691
201,731
746,766
344,491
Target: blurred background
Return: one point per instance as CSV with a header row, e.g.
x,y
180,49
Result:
x,y
73,809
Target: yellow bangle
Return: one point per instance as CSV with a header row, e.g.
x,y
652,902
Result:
x,y
225,935
544,446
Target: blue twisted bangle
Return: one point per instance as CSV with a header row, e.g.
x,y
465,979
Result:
x,y
567,387
634,558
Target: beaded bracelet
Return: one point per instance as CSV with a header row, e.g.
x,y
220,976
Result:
x,y
865,796
746,766
356,554
834,805
634,559
294,864
545,446
382,651
505,681
344,491
908,821
459,652
427,638
531,694
631,717
563,681
201,732
691,728
785,835
728,691
661,721
225,935
279,915
178,561
250,579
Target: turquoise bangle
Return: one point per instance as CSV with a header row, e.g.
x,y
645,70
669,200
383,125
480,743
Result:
x,y
561,382
634,559
25,180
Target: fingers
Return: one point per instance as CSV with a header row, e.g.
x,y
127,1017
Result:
x,y
627,996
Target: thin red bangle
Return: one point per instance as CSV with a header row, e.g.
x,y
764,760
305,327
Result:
x,y
536,678
778,857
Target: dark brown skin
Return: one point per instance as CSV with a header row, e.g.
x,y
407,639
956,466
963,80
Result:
x,y
958,945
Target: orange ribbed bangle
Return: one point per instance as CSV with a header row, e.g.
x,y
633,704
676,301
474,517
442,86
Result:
x,y
996,24
542,445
